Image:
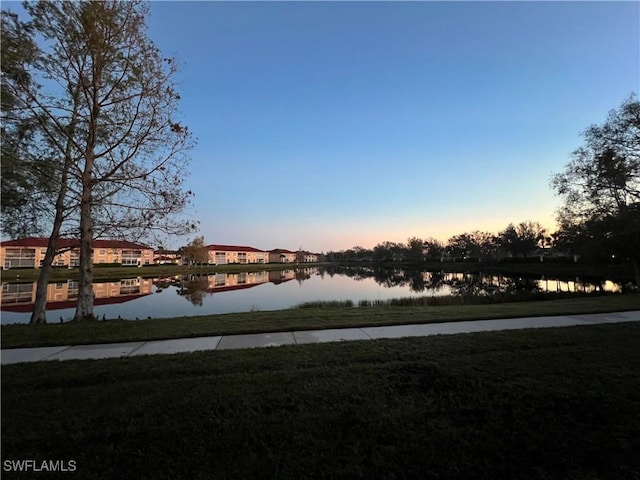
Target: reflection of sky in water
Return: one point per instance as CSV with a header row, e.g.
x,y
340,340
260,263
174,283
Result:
x,y
268,296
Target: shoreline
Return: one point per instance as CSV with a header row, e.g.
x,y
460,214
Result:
x,y
317,317
618,271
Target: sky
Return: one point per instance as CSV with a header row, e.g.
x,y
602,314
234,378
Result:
x,y
326,125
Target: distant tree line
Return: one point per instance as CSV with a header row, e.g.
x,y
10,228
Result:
x,y
599,219
524,240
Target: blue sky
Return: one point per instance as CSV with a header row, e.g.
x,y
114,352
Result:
x,y
325,125
329,125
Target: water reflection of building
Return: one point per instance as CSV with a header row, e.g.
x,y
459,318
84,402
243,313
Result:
x,y
193,286
235,281
279,276
229,281
19,297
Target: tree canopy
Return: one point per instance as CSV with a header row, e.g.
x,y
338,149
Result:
x,y
196,251
102,106
603,176
600,188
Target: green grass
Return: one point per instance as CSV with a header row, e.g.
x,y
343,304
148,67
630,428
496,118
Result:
x,y
618,271
465,299
533,404
109,272
297,319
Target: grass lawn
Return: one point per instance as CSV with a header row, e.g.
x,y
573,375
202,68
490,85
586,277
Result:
x,y
559,403
297,319
618,271
149,271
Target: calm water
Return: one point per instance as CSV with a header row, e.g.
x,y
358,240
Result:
x,y
141,298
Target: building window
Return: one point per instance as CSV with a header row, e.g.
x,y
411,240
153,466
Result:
x,y
131,257
102,252
20,257
74,258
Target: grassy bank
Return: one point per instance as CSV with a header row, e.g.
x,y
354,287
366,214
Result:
x,y
616,271
531,404
107,273
310,318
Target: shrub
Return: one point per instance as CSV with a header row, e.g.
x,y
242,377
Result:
x,y
326,304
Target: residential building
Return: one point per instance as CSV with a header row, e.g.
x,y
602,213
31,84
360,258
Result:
x,y
167,257
307,257
226,254
280,255
30,252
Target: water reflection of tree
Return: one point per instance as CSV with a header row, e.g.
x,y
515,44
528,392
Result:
x,y
301,275
433,280
417,280
194,289
390,277
356,273
483,284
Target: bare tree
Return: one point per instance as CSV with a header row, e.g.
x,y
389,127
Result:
x,y
36,146
106,103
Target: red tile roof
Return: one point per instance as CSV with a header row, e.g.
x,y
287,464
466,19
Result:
x,y
281,250
72,242
233,248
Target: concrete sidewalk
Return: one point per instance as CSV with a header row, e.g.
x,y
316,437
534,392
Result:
x,y
115,350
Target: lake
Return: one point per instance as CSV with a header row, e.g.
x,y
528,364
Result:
x,y
185,295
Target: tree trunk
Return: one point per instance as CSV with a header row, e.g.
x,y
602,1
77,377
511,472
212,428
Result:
x,y
84,307
636,271
39,314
